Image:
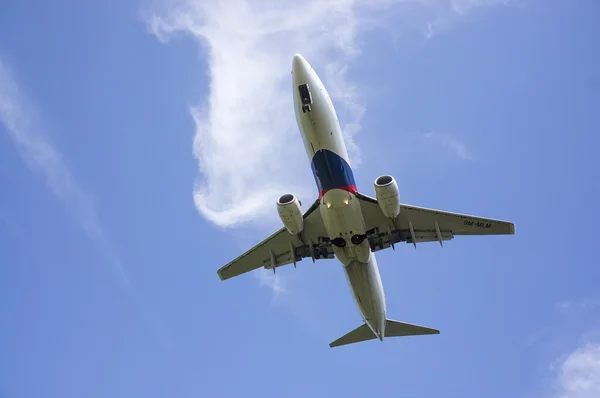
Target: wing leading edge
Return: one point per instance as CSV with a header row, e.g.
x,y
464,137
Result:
x,y
418,224
282,248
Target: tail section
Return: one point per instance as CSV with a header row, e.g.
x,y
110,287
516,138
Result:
x,y
392,329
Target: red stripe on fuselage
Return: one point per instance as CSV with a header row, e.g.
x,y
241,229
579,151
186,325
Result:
x,y
348,188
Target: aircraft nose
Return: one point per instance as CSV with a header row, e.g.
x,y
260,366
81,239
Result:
x,y
299,65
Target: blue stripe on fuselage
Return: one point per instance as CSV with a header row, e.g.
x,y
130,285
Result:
x,y
331,171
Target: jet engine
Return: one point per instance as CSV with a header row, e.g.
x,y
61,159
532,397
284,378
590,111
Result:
x,y
288,207
388,196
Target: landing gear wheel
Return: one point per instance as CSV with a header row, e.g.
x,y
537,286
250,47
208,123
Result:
x,y
358,239
339,242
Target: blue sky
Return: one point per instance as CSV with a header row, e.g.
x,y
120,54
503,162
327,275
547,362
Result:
x,y
143,146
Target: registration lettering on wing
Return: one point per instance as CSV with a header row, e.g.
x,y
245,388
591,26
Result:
x,y
478,224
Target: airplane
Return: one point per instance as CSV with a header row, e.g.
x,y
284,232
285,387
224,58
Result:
x,y
346,224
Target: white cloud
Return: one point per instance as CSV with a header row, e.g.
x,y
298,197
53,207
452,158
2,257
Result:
x,y
247,144
579,373
450,142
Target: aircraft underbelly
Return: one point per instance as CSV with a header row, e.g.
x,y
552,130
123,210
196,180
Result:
x,y
365,284
342,216
340,209
320,130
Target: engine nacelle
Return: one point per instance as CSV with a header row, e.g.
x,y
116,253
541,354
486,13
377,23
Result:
x,y
388,196
288,207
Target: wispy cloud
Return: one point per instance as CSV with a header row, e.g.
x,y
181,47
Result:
x,y
451,143
578,374
273,281
20,119
444,14
581,305
12,227
247,144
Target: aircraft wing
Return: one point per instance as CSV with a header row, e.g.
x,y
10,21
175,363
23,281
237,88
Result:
x,y
282,248
417,224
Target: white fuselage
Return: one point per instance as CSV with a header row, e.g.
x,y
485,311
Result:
x,y
340,210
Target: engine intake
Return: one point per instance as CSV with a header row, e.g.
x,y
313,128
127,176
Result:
x,y
290,213
388,196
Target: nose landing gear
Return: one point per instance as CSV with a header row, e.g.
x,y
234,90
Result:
x,y
306,97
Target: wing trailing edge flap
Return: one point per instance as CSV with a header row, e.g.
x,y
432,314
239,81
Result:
x,y
418,224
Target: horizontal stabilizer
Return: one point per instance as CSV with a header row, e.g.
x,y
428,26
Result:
x,y
392,329
397,329
361,333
